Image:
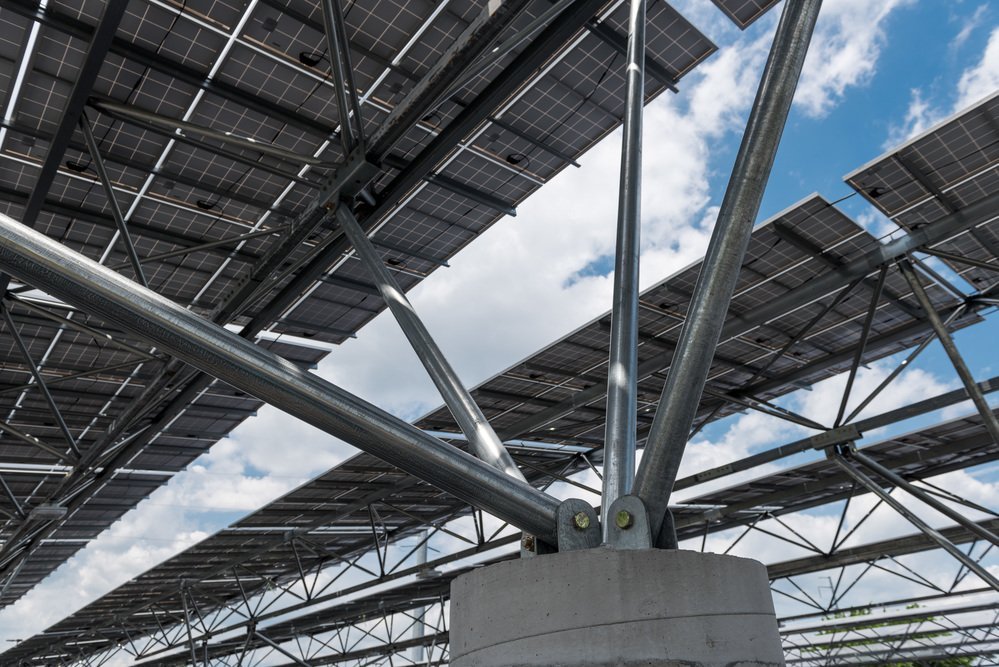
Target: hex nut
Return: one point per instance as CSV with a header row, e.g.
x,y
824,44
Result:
x,y
581,520
624,519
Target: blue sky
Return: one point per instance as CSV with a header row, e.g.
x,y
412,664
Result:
x,y
885,69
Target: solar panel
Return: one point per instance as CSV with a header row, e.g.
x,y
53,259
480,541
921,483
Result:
x,y
950,166
205,215
744,12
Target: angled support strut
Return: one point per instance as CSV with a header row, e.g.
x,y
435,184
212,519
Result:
x,y
716,282
481,437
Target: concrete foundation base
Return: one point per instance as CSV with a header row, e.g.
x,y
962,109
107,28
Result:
x,y
615,607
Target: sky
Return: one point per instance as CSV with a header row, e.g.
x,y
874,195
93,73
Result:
x,y
878,72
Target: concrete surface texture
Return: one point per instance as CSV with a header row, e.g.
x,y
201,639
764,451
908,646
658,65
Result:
x,y
615,607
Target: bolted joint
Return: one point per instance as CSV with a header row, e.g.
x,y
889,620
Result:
x,y
577,525
628,524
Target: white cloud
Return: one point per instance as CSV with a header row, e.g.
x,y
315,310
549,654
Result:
x,y
983,78
968,26
844,52
976,82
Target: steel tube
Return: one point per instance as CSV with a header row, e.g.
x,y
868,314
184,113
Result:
x,y
482,439
620,430
720,270
900,481
119,218
849,432
923,527
85,284
988,417
130,112
335,50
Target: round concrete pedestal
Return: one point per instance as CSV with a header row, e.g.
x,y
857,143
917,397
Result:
x,y
609,607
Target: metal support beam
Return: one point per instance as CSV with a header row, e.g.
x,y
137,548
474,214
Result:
x,y
865,333
960,260
134,113
77,280
18,510
482,438
39,381
720,270
837,435
277,647
622,370
35,442
100,44
480,34
119,217
901,482
338,52
991,423
923,527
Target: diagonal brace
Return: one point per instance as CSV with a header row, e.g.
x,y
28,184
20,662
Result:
x,y
481,437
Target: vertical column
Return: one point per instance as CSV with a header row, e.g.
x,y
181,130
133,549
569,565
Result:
x,y
622,370
716,282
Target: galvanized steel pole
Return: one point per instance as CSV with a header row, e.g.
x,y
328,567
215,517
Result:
x,y
716,282
956,360
482,439
81,282
622,370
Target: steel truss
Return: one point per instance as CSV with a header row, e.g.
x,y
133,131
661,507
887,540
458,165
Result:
x,y
372,183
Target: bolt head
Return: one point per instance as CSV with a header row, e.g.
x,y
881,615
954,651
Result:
x,y
624,519
581,520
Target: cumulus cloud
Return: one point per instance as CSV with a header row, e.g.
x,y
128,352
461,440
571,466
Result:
x,y
844,52
976,82
983,78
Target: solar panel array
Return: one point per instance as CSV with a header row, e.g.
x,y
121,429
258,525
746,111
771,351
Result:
x,y
329,516
205,216
334,513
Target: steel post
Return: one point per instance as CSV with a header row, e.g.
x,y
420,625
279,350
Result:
x,y
79,281
119,217
900,481
622,369
482,439
988,417
419,627
923,527
720,270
